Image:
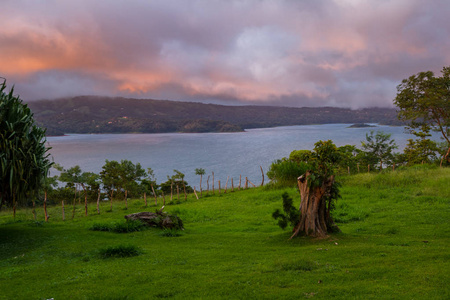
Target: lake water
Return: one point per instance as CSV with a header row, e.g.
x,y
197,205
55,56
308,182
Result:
x,y
225,154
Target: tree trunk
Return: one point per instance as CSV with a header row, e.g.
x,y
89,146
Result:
x,y
195,193
126,199
145,199
207,184
45,206
213,182
34,209
315,219
111,199
85,200
184,189
154,194
201,177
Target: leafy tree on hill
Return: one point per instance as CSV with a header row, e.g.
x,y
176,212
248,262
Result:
x,y
424,102
23,154
121,177
379,147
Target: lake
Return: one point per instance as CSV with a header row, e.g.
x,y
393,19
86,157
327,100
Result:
x,y
225,154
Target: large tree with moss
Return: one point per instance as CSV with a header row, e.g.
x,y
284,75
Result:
x,y
424,103
23,153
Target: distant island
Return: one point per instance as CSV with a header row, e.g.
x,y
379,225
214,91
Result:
x,y
93,114
361,125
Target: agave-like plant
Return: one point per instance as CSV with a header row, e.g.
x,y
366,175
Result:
x,y
23,154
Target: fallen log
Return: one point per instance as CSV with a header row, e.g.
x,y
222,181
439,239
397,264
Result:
x,y
158,219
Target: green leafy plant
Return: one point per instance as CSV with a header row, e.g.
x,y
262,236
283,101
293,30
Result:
x,y
290,216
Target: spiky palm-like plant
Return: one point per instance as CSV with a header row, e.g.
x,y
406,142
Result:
x,y
23,155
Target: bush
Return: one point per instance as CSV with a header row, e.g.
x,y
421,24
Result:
x,y
285,172
119,251
119,227
171,233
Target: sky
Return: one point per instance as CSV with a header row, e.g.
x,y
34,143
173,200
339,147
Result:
x,y
342,53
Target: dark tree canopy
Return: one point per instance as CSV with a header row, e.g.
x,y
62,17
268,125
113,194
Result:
x,y
424,103
23,154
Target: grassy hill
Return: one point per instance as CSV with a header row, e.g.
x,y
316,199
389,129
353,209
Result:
x,y
394,245
88,114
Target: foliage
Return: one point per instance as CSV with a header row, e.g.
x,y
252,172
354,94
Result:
x,y
122,177
284,172
291,214
424,102
23,154
174,181
379,147
421,150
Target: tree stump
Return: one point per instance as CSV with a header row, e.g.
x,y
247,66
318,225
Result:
x,y
315,219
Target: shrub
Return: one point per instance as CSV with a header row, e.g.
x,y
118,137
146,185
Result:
x,y
171,233
119,251
119,227
285,172
291,214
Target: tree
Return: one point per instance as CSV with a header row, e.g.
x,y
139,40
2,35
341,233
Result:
x,y
379,147
23,155
148,184
421,150
121,177
201,172
424,102
318,192
110,178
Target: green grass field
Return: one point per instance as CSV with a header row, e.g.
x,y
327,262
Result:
x,y
394,244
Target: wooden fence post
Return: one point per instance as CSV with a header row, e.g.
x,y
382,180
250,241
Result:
x,y
262,173
98,201
226,185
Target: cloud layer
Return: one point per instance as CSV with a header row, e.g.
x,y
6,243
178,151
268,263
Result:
x,y
347,53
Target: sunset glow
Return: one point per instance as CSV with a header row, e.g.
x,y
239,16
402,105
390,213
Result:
x,y
293,53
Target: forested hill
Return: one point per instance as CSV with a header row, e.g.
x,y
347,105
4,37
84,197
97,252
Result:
x,y
89,114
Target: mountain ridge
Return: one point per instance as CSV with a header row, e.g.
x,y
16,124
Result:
x,y
97,114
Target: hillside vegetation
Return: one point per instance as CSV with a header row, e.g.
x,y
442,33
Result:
x,y
394,244
88,114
